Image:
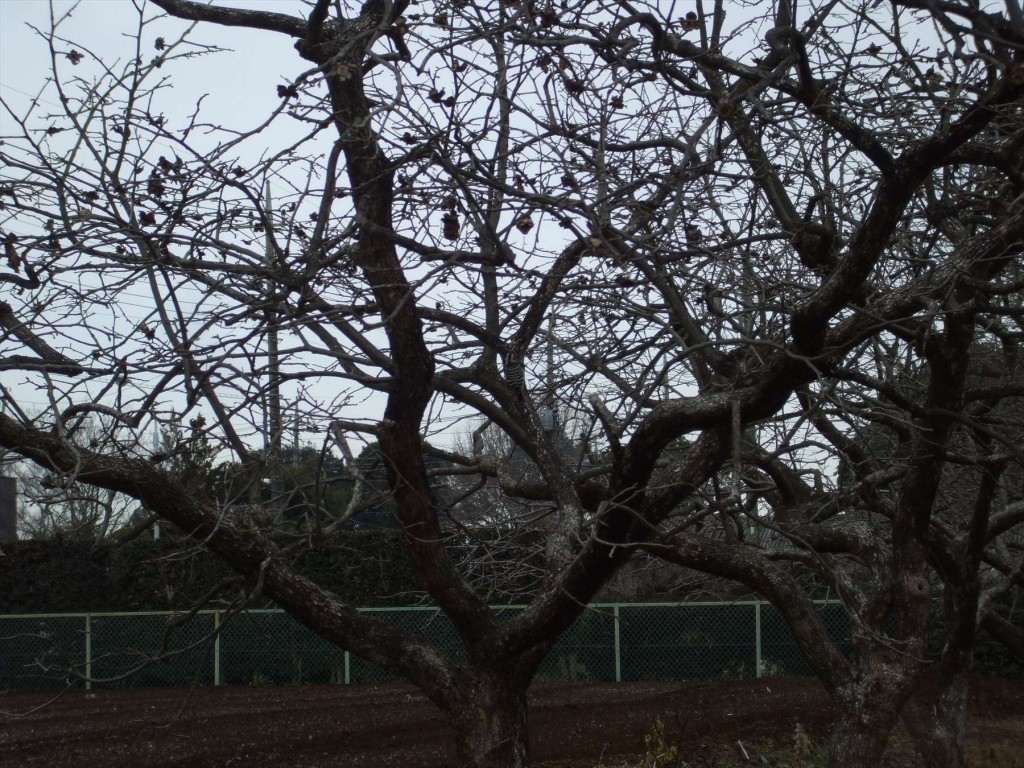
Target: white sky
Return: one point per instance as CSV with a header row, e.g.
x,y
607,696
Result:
x,y
106,28
240,83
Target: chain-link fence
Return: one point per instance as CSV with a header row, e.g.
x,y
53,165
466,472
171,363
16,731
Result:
x,y
608,642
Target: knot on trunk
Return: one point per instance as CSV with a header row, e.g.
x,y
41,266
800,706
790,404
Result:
x,y
918,588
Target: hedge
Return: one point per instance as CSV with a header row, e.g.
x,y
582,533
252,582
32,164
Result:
x,y
366,568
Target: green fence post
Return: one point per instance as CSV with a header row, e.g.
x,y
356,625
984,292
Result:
x,y
618,646
348,669
88,651
757,638
216,648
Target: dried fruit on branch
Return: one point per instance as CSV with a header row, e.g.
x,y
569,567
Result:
x,y
450,226
13,259
524,223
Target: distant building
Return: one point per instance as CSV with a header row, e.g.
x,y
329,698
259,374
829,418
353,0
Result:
x,y
8,509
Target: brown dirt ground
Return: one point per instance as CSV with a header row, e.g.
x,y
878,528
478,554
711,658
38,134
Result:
x,y
393,725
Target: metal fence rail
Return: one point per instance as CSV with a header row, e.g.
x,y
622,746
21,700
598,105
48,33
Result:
x,y
608,642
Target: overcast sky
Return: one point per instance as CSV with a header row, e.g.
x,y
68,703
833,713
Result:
x,y
240,83
243,87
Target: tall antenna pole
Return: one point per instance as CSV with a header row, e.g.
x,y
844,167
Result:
x,y
157,448
551,371
295,436
272,411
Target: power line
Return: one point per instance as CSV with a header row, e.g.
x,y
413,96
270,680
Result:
x,y
29,95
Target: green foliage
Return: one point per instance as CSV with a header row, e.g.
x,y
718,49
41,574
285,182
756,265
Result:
x,y
54,576
259,679
313,482
190,455
160,574
310,486
366,568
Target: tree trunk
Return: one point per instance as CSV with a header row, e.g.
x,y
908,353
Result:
x,y
936,716
937,722
490,728
861,732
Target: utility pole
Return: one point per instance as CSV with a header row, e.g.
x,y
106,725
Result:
x,y
8,509
8,506
549,414
295,436
272,404
157,449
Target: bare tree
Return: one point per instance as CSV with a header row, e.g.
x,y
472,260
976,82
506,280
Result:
x,y
871,424
79,511
736,223
55,504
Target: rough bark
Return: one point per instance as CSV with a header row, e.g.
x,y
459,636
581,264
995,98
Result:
x,y
937,721
868,711
491,727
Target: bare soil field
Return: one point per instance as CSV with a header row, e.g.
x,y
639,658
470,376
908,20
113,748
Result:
x,y
715,723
